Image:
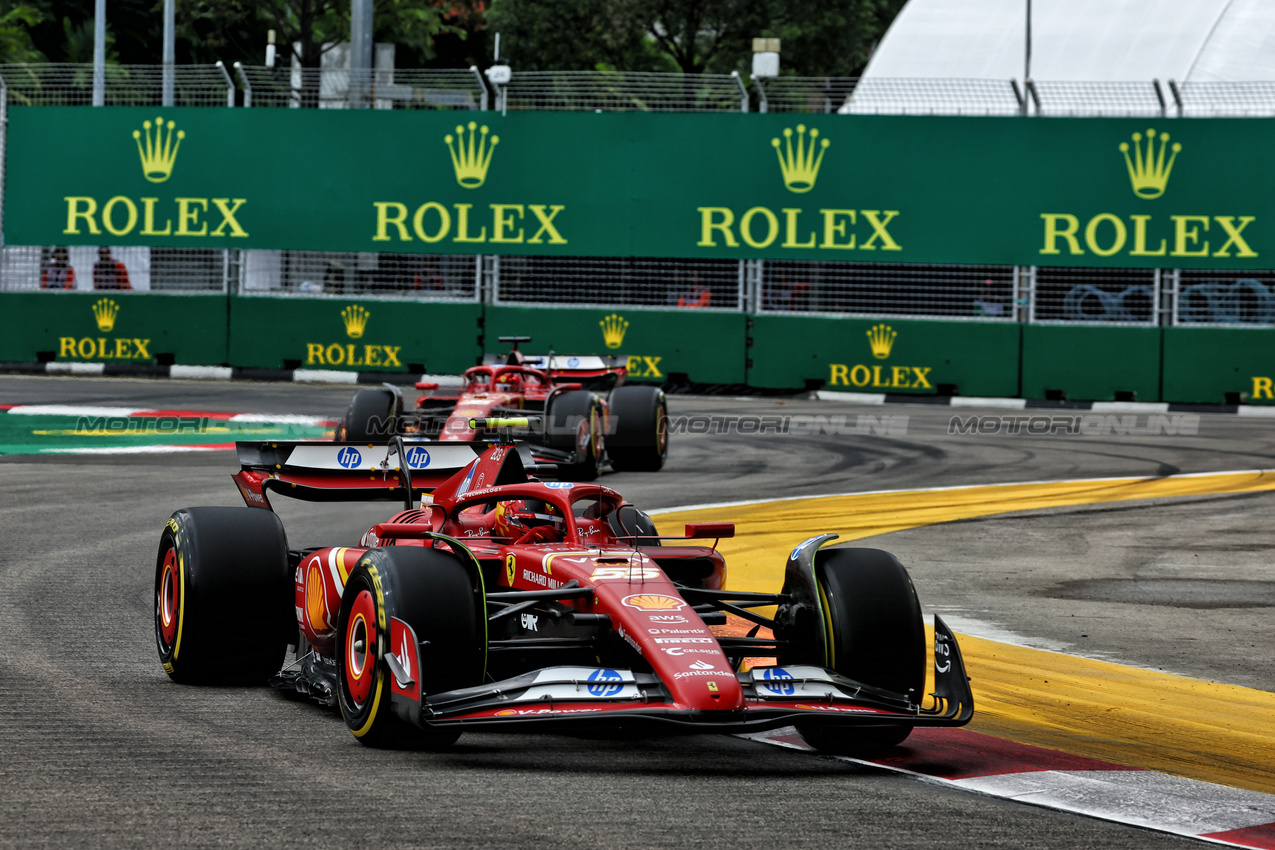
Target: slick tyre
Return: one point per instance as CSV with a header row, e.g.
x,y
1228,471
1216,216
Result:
x,y
574,424
431,591
640,439
370,418
223,596
874,635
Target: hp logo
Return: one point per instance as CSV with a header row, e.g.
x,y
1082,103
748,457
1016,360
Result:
x,y
609,682
417,457
349,457
778,681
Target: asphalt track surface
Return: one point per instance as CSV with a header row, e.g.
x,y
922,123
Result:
x,y
100,748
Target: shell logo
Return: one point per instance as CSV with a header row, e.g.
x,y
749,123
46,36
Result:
x,y
506,713
316,602
654,602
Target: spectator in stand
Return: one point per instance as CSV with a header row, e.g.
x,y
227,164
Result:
x,y
58,273
108,272
989,302
698,295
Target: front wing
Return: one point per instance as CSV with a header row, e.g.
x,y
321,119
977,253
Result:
x,y
568,697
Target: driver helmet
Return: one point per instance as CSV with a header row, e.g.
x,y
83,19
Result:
x,y
509,381
516,517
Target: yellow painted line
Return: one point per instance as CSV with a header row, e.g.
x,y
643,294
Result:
x,y
1187,727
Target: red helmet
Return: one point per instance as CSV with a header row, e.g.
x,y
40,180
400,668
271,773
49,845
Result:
x,y
515,517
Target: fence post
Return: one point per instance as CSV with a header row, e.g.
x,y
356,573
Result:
x,y
743,92
763,105
230,84
247,84
478,75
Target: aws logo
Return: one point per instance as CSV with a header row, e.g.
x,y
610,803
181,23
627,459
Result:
x,y
1149,162
800,155
354,319
105,312
158,145
881,339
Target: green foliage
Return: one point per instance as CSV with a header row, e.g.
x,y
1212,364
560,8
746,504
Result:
x,y
830,38
16,45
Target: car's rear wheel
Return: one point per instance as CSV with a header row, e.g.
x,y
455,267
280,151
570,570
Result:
x,y
223,596
874,635
432,592
370,418
574,424
639,442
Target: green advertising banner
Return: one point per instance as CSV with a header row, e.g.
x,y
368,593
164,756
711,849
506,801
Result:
x,y
1091,363
1186,193
120,327
353,334
884,355
1219,365
654,344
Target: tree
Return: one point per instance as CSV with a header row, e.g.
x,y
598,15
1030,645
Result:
x,y
831,38
16,45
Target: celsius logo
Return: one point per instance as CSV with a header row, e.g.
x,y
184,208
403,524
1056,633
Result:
x,y
609,682
417,457
349,457
778,681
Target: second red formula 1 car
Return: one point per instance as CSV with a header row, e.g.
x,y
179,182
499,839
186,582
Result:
x,y
584,413
497,601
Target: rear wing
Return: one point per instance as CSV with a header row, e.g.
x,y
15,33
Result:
x,y
400,470
571,365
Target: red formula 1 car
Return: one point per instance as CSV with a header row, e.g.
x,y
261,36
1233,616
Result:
x,y
504,602
585,413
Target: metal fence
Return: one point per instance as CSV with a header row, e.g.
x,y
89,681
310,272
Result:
x,y
990,293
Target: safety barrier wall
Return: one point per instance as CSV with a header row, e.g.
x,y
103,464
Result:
x,y
884,356
765,351
362,334
705,346
117,327
1086,362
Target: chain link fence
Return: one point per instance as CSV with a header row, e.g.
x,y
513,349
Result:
x,y
620,91
377,88
438,277
997,293
619,281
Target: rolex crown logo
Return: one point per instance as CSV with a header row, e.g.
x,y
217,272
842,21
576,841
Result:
x,y
355,318
800,168
104,312
881,338
613,328
471,159
157,149
1148,171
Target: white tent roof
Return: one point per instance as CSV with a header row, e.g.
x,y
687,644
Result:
x,y
1081,40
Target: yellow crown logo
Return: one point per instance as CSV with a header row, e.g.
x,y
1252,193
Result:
x,y
104,312
1148,172
800,168
470,161
613,328
881,338
355,318
157,150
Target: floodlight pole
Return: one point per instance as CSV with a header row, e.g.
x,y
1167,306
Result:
x,y
360,52
1027,52
99,53
170,50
